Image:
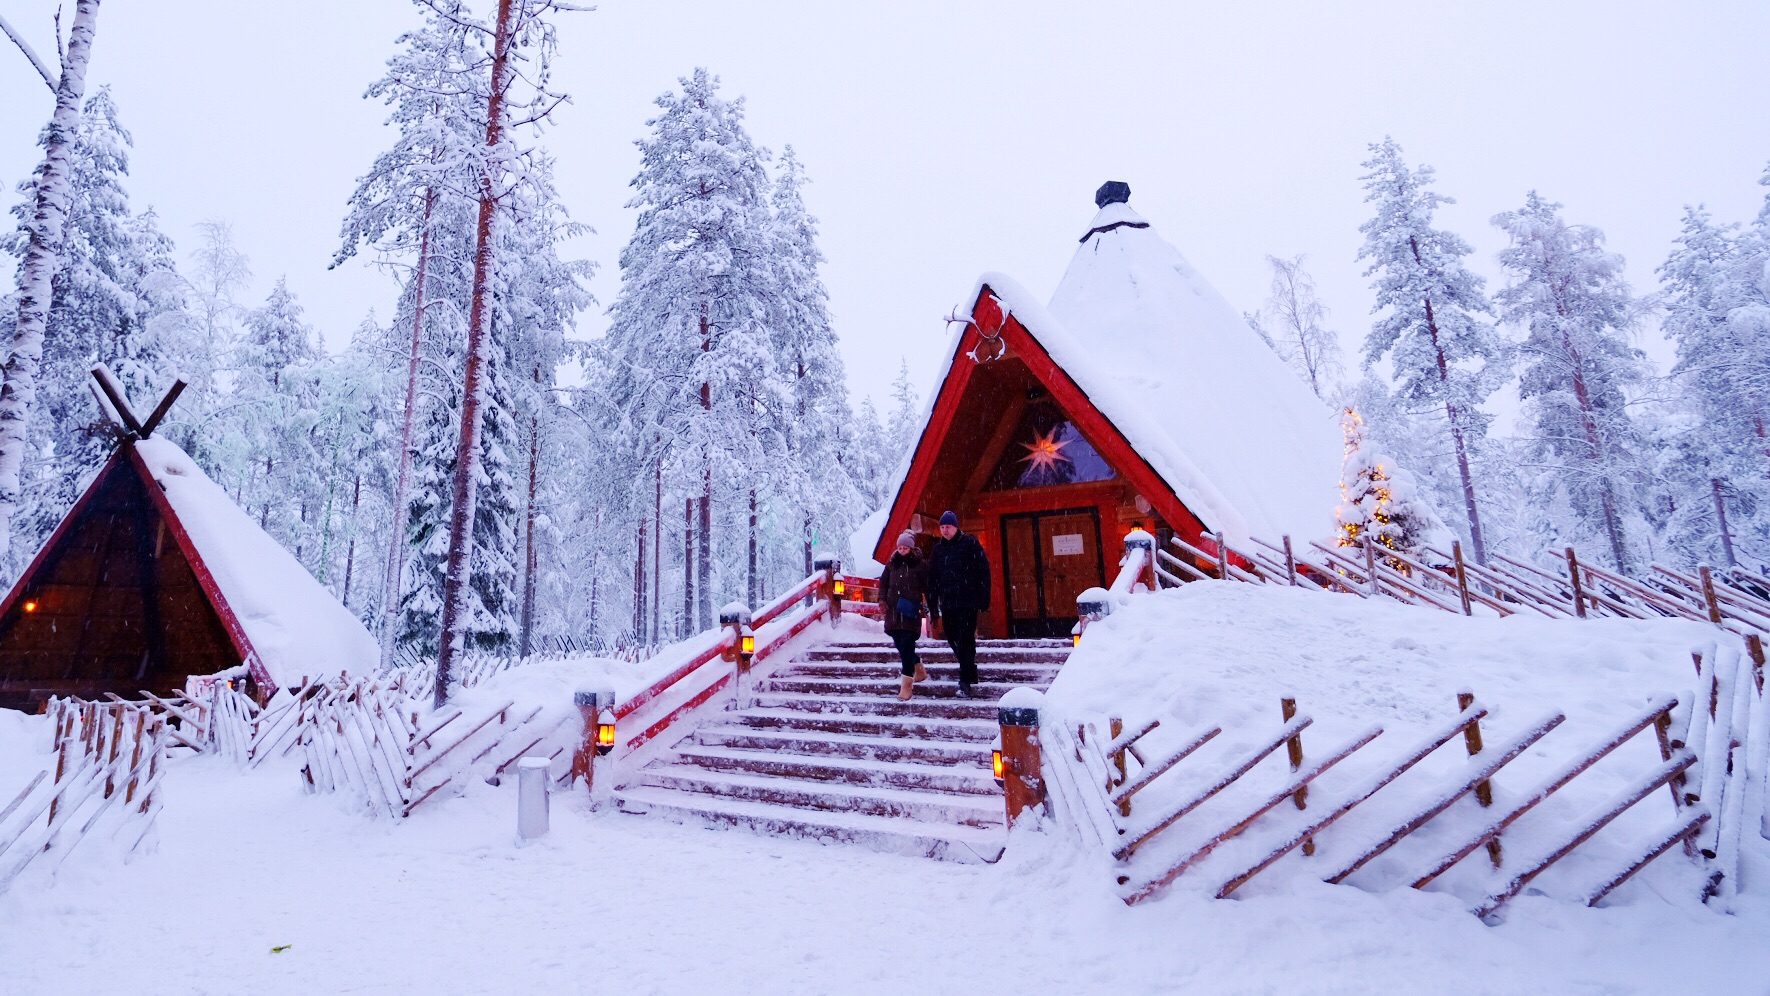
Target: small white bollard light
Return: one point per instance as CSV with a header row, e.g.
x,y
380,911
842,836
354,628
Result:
x,y
531,797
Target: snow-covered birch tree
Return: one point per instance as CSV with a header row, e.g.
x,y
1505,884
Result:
x,y
42,258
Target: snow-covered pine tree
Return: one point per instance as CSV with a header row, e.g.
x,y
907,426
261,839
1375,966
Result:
x,y
872,455
1379,500
688,351
1445,359
273,425
904,423
42,258
1569,296
1717,301
812,480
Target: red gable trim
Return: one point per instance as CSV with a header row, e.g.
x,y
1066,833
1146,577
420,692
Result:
x,y
1112,444
205,580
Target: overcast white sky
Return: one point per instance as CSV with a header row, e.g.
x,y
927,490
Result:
x,y
949,138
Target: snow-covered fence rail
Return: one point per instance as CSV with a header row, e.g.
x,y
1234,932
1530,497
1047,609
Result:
x,y
1238,795
108,761
1444,580
373,740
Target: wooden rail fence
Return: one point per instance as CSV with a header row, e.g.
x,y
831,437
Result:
x,y
1711,745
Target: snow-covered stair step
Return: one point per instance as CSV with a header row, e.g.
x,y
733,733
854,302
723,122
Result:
x,y
867,774
880,833
974,731
869,705
1015,673
935,654
1024,644
988,691
931,807
865,748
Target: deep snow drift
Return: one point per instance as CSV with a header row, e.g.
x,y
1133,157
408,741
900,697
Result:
x,y
446,901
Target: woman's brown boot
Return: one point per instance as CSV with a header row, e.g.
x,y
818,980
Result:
x,y
921,672
905,688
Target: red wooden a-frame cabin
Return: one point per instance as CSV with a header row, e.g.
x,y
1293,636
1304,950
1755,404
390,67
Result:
x,y
155,575
1137,398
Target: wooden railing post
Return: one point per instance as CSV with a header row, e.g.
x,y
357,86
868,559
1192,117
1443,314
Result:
x,y
1092,605
1754,646
1370,565
1708,595
1483,788
1579,596
738,646
1021,769
591,761
827,587
1290,562
1287,708
1456,552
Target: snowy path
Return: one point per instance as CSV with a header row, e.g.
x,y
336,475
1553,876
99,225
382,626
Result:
x,y
445,903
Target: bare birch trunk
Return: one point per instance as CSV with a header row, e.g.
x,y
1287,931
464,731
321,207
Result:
x,y
467,457
1721,522
639,565
704,548
402,489
49,218
755,592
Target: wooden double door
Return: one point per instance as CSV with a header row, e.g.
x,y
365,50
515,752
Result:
x,y
1048,558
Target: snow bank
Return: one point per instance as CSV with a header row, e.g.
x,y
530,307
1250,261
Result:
x,y
297,627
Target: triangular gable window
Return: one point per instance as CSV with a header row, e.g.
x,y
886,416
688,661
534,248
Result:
x,y
1047,449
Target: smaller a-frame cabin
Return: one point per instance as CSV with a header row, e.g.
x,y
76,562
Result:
x,y
1137,398
155,575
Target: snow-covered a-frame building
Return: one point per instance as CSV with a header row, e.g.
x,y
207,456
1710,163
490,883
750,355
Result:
x,y
155,575
1136,397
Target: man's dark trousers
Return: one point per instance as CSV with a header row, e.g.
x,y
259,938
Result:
x,y
961,635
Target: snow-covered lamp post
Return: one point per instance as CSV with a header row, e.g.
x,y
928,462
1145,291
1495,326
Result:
x,y
833,587
597,707
739,647
1139,543
1018,763
1092,606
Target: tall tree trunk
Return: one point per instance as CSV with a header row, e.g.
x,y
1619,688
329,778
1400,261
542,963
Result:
x,y
657,552
705,546
356,499
402,489
1454,415
755,590
467,457
1721,522
639,584
48,224
528,538
687,625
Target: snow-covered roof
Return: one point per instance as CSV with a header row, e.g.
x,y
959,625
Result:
x,y
297,628
1233,431
1239,437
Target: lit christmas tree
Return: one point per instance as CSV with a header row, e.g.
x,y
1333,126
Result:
x,y
1379,500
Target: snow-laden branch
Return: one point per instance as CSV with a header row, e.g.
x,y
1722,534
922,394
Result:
x,y
36,63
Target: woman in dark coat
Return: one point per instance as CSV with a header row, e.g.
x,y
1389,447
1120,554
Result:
x,y
902,590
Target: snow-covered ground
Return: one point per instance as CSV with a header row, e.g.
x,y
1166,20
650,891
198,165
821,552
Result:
x,y
447,902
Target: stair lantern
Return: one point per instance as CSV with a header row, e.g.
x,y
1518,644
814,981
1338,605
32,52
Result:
x,y
736,617
996,766
833,587
597,707
1092,606
1020,762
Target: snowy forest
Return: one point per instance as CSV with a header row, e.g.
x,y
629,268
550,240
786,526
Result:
x,y
619,488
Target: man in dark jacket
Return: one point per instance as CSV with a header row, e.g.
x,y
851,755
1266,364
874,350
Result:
x,y
958,589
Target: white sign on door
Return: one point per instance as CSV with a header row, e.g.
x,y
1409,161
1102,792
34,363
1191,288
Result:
x,y
1066,546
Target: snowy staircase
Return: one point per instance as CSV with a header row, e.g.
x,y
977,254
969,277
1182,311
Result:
x,y
826,751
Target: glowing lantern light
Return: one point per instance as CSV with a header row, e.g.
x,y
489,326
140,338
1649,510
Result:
x,y
748,646
31,606
997,767
841,587
605,732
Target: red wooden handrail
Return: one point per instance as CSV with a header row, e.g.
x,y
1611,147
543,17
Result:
x,y
785,601
663,684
